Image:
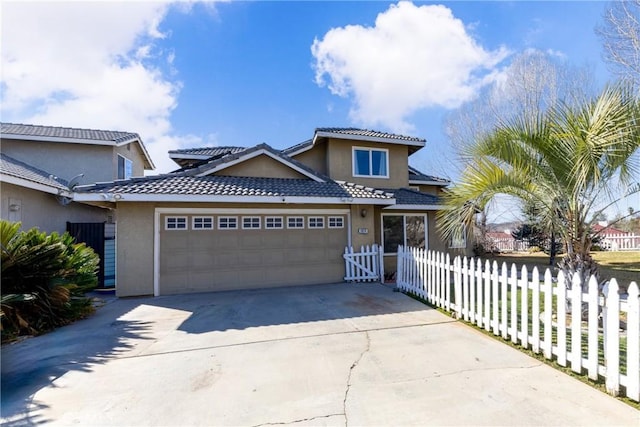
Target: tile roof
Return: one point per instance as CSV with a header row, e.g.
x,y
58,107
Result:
x,y
207,151
294,148
416,175
406,196
13,167
369,133
220,160
233,186
66,133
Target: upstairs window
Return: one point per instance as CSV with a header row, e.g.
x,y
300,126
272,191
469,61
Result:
x,y
370,162
125,167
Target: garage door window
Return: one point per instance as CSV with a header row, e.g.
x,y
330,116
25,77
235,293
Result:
x,y
316,222
175,223
295,222
249,222
202,223
336,222
273,222
227,223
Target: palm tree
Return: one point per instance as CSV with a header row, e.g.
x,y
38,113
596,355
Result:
x,y
568,162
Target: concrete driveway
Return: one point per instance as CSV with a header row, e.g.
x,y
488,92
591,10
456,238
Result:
x,y
321,355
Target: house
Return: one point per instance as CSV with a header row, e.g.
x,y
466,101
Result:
x,y
239,218
41,165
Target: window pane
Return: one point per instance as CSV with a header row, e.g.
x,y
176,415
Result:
x,y
362,162
128,168
121,171
379,163
393,233
415,232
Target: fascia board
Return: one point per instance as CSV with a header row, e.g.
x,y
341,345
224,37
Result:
x,y
188,156
437,183
302,149
415,207
203,198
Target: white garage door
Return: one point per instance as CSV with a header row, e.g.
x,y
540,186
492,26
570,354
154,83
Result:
x,y
212,252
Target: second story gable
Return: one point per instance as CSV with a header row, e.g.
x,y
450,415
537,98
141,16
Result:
x,y
373,159
98,155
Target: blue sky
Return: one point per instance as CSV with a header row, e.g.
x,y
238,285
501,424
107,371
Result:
x,y
186,74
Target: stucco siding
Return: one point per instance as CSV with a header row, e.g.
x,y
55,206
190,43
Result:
x,y
65,160
362,228
340,163
315,158
261,166
134,248
37,209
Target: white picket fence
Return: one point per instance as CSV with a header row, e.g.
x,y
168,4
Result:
x,y
620,242
364,266
507,244
493,299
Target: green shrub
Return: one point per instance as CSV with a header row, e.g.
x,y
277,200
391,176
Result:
x,y
534,249
44,279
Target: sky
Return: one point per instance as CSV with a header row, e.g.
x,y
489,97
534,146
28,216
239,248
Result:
x,y
190,74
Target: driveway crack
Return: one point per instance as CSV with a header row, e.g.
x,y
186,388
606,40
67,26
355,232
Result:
x,y
301,420
353,366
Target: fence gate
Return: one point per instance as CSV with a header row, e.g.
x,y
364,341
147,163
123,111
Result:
x,y
101,238
363,266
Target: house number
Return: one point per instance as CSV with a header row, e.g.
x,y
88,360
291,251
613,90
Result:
x,y
363,230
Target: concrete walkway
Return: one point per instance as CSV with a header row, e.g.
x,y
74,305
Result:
x,y
320,355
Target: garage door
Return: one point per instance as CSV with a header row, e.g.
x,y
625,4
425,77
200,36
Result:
x,y
200,253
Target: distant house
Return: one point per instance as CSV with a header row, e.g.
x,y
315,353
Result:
x,y
613,239
240,218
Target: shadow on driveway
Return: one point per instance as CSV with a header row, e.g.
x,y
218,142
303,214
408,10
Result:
x,y
35,363
124,326
239,310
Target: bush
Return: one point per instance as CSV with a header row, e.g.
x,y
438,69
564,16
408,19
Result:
x,y
534,249
44,279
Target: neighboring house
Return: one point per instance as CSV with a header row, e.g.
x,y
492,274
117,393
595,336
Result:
x,y
239,218
613,239
41,165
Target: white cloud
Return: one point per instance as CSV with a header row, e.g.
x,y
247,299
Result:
x,y
90,64
413,58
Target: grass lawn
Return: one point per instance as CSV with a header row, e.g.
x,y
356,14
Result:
x,y
624,266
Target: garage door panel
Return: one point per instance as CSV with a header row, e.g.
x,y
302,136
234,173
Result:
x,y
175,259
227,239
176,240
201,259
203,242
274,257
250,257
215,260
250,239
225,259
315,254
